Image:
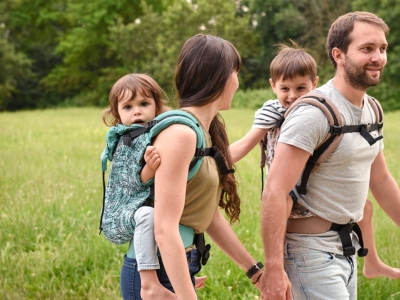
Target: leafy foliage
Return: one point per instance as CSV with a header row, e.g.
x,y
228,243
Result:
x,y
388,90
70,52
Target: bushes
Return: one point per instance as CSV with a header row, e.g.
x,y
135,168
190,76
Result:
x,y
252,99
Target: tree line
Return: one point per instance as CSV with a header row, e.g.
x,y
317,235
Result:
x,y
70,52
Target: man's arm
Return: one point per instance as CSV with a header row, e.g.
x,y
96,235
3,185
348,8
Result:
x,y
286,168
385,189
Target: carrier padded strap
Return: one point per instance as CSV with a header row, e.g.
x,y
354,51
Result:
x,y
336,131
311,163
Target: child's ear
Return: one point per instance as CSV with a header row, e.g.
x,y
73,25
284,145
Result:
x,y
315,82
272,83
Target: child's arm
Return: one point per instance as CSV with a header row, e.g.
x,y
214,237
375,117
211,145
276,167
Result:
x,y
152,159
266,118
243,146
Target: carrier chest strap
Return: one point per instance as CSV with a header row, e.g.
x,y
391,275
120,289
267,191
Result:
x,y
363,129
335,131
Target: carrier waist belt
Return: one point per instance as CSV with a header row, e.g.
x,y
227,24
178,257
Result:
x,y
314,225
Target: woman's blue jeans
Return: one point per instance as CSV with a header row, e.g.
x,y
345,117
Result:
x,y
130,277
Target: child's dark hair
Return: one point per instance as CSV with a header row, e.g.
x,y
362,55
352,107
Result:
x,y
292,61
135,83
204,66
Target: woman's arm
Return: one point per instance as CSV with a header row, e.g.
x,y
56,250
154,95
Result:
x,y
176,146
243,146
223,235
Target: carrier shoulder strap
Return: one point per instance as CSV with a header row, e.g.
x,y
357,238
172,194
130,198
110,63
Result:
x,y
171,117
152,129
336,131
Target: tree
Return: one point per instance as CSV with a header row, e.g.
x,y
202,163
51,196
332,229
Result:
x,y
85,46
14,69
152,43
32,28
303,21
388,90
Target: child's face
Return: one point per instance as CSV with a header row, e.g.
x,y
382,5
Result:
x,y
287,91
139,110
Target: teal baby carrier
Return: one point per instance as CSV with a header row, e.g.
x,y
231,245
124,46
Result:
x,y
125,192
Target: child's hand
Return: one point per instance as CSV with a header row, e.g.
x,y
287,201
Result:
x,y
152,158
200,282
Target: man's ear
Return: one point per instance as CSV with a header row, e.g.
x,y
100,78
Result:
x,y
338,56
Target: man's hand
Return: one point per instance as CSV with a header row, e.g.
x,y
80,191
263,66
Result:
x,y
275,285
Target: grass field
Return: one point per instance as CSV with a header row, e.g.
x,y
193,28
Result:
x,y
51,196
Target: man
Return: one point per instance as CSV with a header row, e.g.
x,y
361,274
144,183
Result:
x,y
304,257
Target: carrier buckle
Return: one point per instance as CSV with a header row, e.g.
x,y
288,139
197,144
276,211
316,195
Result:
x,y
367,127
348,251
335,130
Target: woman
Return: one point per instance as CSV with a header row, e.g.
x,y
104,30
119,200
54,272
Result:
x,y
205,81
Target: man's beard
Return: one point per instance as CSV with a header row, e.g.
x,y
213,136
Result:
x,y
358,78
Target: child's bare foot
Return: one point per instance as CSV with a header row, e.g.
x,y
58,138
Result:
x,y
372,270
156,291
200,282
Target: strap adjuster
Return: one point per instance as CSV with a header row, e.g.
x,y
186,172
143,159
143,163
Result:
x,y
335,130
367,127
151,123
200,152
348,251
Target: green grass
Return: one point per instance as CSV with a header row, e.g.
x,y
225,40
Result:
x,y
50,200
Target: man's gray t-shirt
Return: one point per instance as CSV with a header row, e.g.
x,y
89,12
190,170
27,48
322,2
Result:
x,y
338,189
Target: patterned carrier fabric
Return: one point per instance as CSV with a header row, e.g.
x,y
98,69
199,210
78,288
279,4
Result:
x,y
125,192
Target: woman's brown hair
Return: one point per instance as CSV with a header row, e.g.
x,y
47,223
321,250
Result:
x,y
204,66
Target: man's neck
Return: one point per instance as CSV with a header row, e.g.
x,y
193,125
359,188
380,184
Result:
x,y
354,96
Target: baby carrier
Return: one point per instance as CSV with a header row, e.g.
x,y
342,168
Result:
x,y
125,192
327,146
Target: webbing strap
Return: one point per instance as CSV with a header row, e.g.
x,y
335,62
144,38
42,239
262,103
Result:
x,y
204,249
219,159
131,135
301,189
336,130
102,209
345,238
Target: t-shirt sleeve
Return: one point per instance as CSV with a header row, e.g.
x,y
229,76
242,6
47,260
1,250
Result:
x,y
269,115
305,127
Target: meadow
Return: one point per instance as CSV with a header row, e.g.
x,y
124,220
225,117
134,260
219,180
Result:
x,y
51,197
